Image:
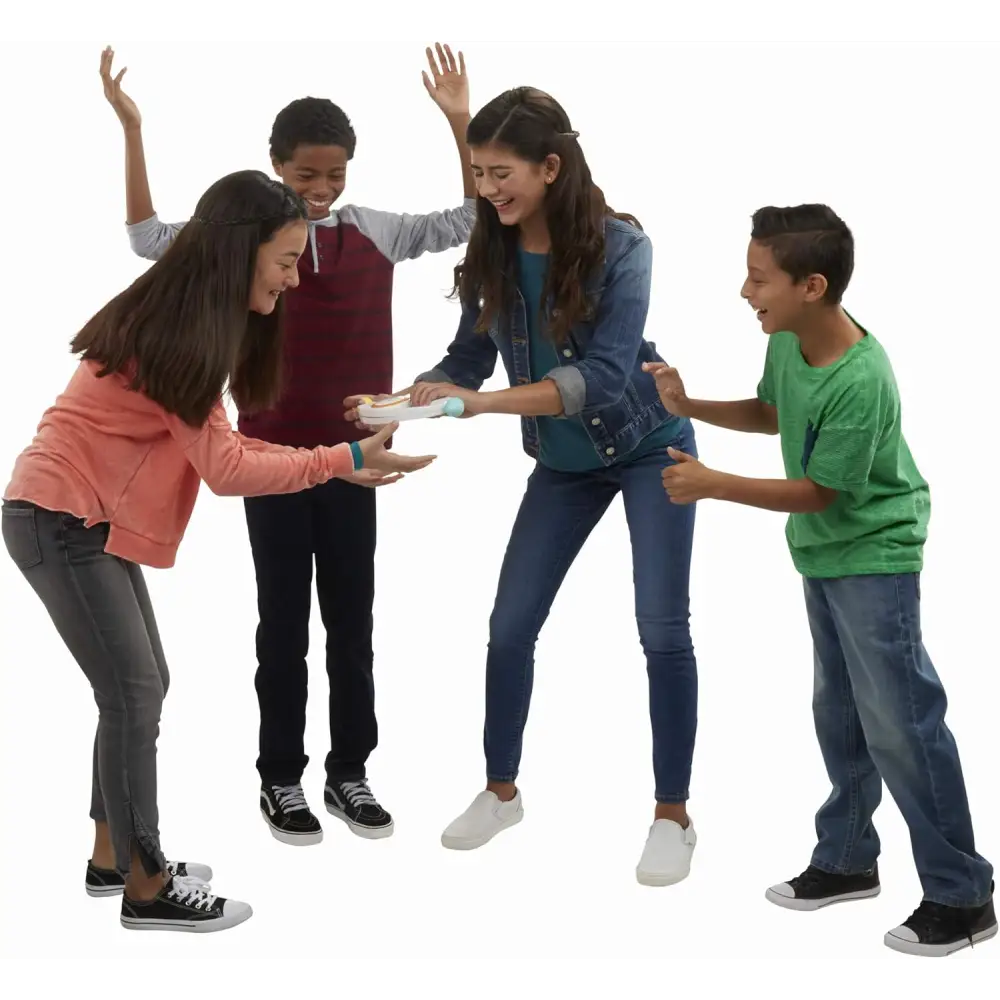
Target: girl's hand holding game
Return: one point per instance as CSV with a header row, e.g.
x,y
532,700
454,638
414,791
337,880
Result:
x,y
425,393
670,387
125,108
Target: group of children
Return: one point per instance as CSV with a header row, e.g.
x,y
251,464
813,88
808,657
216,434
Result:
x,y
271,291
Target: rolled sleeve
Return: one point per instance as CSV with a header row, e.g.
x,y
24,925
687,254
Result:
x,y
572,388
600,379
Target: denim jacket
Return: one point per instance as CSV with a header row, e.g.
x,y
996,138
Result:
x,y
600,375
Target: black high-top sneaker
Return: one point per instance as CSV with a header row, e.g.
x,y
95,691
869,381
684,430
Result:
x,y
183,905
815,888
935,931
353,802
107,882
288,815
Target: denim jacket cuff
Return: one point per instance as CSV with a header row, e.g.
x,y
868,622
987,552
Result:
x,y
572,387
434,375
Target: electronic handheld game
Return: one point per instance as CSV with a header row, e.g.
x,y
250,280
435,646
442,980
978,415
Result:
x,y
393,408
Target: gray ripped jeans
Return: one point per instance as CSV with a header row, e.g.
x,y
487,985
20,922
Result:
x,y
100,607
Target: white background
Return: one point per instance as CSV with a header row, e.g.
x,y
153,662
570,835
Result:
x,y
691,139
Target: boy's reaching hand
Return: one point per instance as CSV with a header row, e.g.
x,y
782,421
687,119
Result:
x,y
670,387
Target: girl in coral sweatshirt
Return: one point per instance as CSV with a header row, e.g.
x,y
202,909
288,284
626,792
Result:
x,y
109,483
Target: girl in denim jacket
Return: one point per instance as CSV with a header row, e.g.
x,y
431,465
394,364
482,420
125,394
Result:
x,y
557,285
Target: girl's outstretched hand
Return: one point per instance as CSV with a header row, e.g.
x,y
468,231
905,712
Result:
x,y
379,459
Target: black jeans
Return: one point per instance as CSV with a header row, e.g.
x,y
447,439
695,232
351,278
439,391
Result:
x,y
334,524
100,607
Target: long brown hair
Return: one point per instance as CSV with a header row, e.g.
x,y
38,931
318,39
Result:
x,y
533,126
183,331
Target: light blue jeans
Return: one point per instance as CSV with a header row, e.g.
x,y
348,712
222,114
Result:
x,y
879,709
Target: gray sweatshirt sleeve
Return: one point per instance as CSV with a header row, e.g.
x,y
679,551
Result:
x,y
404,237
150,238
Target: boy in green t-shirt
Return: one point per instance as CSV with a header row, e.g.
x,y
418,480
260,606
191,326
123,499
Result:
x,y
858,511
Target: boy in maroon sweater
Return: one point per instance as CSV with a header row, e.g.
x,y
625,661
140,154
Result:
x,y
338,336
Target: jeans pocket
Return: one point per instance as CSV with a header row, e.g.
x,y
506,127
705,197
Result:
x,y
20,535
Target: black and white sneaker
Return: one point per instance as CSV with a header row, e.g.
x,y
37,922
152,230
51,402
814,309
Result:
x,y
815,888
353,802
184,904
935,931
107,882
288,815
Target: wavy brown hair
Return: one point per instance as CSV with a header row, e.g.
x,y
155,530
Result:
x,y
533,126
183,331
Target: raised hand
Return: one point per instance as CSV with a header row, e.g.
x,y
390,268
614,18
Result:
x,y
670,387
449,89
125,108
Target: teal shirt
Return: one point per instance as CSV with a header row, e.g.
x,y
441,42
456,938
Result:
x,y
565,445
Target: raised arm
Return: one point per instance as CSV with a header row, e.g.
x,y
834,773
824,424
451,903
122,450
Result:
x,y
403,236
149,237
449,90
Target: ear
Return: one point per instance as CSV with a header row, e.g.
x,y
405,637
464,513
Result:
x,y
551,166
276,164
815,286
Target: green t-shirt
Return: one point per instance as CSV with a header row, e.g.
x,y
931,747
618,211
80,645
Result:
x,y
840,425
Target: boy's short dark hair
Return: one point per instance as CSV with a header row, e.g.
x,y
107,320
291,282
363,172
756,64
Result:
x,y
808,239
310,121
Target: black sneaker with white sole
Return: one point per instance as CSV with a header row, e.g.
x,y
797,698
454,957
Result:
x,y
815,888
184,905
107,882
353,802
935,931
288,815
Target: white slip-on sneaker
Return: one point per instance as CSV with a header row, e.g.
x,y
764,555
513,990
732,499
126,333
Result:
x,y
482,821
666,858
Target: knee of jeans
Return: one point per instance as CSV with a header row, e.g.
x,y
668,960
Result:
x,y
138,703
893,737
665,634
513,631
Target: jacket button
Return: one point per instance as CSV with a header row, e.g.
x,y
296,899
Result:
x,y
609,451
596,421
567,353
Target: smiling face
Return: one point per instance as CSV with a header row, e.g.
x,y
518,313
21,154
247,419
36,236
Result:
x,y
778,300
277,266
318,174
516,188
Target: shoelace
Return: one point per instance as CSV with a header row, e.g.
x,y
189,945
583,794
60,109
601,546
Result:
x,y
928,917
191,893
358,793
810,877
290,797
173,869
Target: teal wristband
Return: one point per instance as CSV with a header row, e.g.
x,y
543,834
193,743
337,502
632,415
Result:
x,y
358,455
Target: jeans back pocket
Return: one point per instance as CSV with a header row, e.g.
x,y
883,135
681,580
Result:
x,y
20,535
